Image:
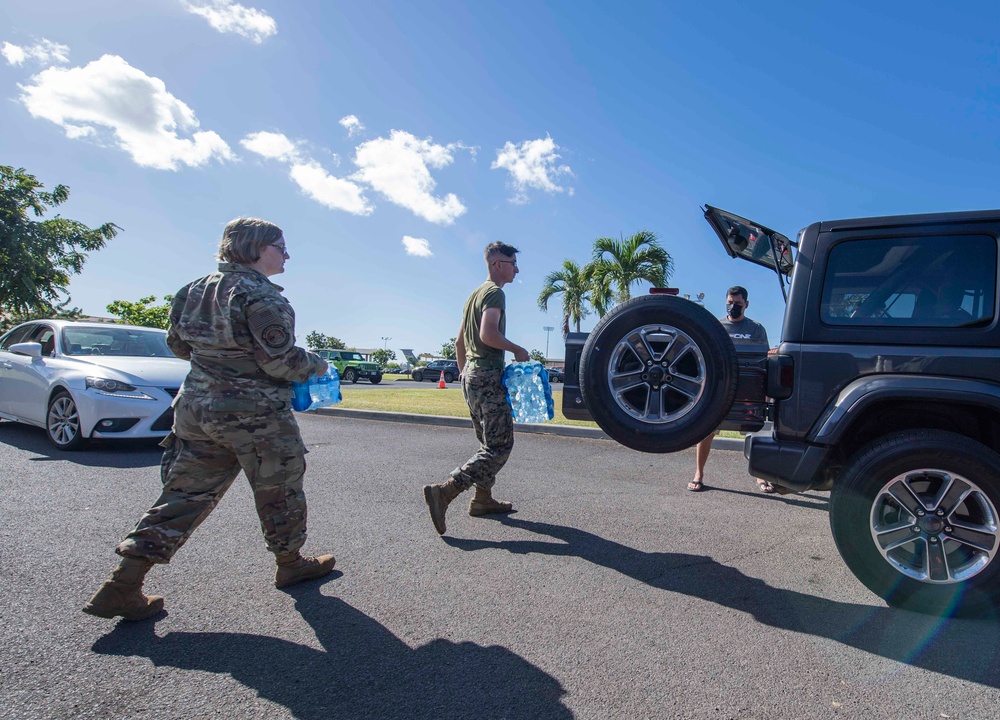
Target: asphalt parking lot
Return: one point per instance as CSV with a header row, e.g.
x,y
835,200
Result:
x,y
612,592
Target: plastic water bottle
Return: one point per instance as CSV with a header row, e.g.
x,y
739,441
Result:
x,y
319,391
528,392
300,396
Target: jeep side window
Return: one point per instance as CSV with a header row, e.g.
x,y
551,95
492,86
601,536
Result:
x,y
911,282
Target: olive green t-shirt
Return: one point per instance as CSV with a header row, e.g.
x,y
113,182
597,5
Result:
x,y
478,353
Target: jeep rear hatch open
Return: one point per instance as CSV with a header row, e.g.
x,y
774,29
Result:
x,y
752,241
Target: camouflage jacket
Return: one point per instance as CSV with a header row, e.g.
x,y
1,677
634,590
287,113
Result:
x,y
238,331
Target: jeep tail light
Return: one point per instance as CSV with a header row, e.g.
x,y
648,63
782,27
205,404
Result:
x,y
780,376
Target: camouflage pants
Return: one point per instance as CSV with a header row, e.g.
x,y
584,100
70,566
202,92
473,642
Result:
x,y
203,455
487,400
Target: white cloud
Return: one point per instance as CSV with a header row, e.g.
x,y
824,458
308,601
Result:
x,y
144,118
44,52
315,182
532,165
417,246
333,192
273,146
397,167
353,125
227,16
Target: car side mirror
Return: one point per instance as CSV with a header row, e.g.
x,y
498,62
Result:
x,y
31,349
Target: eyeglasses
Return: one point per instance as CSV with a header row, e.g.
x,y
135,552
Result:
x,y
507,262
281,248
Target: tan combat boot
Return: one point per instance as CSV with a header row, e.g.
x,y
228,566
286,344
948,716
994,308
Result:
x,y
484,504
122,594
437,498
295,568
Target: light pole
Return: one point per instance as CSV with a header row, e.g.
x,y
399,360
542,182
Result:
x,y
385,343
547,329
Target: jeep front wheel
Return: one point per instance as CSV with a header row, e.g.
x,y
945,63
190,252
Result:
x,y
658,373
350,375
375,379
914,515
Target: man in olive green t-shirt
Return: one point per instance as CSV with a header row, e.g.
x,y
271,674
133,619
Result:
x,y
480,348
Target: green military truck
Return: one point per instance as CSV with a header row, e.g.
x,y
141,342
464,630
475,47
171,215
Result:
x,y
351,366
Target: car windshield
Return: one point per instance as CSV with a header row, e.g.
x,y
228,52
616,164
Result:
x,y
116,341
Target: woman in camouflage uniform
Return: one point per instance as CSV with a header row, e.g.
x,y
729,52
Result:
x,y
233,413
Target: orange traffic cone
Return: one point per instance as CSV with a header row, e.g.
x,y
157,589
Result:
x,y
441,381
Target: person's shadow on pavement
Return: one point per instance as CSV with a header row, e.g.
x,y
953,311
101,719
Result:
x,y
967,649
363,670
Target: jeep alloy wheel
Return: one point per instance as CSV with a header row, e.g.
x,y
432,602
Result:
x,y
658,373
915,517
350,375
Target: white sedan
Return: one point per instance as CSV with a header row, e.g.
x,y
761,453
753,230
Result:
x,y
82,380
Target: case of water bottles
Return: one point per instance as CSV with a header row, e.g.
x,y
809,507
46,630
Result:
x,y
529,392
320,391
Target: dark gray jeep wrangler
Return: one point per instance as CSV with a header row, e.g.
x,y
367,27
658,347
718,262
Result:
x,y
884,389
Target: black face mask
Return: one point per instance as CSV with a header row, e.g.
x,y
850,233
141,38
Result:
x,y
735,311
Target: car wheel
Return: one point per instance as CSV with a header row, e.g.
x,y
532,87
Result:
x,y
658,373
418,376
351,375
62,422
375,379
914,515
448,377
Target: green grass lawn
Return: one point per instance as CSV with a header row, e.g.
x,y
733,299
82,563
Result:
x,y
429,399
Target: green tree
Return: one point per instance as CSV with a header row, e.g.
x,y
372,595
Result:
x,y
315,341
537,355
383,356
448,349
617,265
143,312
38,257
572,282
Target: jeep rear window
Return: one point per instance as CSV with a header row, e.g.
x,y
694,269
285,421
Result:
x,y
911,282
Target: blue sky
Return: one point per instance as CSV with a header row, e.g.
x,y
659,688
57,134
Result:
x,y
393,140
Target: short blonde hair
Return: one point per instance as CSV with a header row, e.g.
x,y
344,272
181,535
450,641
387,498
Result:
x,y
244,239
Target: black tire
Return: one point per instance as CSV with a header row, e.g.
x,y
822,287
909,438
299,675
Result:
x,y
62,422
665,349
418,376
914,515
375,380
351,375
448,377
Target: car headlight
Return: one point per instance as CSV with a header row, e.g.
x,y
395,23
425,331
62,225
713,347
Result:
x,y
116,388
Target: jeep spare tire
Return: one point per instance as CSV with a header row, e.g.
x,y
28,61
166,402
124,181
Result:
x,y
658,373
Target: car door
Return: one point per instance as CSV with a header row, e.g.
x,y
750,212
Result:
x,y
8,362
25,380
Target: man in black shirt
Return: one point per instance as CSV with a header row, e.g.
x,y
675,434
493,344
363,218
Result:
x,y
742,330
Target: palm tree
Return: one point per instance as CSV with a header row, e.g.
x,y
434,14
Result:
x,y
571,281
620,264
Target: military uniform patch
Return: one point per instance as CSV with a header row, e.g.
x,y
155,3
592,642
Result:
x,y
275,336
